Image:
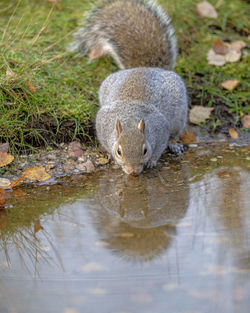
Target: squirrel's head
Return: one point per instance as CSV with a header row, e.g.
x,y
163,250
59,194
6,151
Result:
x,y
132,151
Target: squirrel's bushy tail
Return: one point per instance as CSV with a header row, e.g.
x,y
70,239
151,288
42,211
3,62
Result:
x,y
136,33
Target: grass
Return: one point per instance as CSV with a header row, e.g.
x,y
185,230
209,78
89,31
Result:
x,y
62,105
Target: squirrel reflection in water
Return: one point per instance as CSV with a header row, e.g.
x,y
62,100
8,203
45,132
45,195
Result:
x,y
137,216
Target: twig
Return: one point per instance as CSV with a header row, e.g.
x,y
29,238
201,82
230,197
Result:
x,y
43,26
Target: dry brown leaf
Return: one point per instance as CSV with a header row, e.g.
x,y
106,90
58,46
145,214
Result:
x,y
233,56
233,133
238,45
215,59
37,226
220,47
188,136
31,87
4,147
102,161
36,173
245,120
3,197
5,158
199,114
205,9
230,84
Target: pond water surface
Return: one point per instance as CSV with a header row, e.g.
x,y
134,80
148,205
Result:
x,y
175,239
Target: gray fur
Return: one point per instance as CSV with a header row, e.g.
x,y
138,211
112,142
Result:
x,y
164,110
142,108
100,30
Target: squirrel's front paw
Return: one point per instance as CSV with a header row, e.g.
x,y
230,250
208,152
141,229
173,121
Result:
x,y
151,164
177,149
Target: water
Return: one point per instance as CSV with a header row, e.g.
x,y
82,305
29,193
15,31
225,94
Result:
x,y
176,239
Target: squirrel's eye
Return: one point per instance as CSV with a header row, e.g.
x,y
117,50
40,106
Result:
x,y
119,151
145,150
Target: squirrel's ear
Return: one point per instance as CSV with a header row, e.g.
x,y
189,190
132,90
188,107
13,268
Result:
x,y
141,126
118,128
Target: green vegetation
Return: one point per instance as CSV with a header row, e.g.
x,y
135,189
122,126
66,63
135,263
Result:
x,y
33,43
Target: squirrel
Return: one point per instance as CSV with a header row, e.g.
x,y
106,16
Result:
x,y
143,106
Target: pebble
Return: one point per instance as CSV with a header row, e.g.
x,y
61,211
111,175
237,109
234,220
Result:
x,y
5,183
81,159
51,157
193,145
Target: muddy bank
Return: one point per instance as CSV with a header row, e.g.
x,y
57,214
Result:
x,y
75,158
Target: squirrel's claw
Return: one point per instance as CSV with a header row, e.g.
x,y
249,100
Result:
x,y
177,149
150,164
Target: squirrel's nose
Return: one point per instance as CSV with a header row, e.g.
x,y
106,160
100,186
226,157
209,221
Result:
x,y
135,171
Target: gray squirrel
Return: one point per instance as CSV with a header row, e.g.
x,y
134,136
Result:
x,y
144,105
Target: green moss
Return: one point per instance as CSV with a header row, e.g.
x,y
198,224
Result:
x,y
34,40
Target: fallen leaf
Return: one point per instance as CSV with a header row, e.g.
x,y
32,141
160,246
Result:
x,y
233,56
102,161
188,136
4,147
245,120
238,45
75,149
230,84
31,87
37,226
5,158
205,9
220,47
199,114
215,59
5,183
36,173
2,197
233,133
